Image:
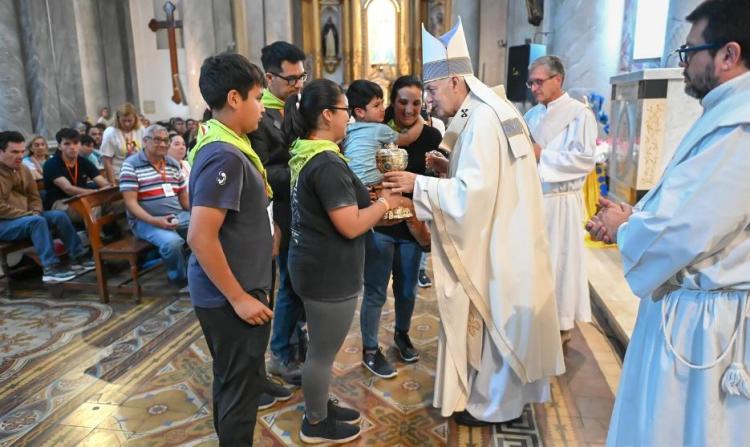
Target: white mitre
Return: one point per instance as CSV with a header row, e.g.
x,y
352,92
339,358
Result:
x,y
445,56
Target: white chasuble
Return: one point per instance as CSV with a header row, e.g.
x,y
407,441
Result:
x,y
499,341
566,130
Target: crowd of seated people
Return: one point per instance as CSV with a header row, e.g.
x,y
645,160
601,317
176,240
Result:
x,y
147,162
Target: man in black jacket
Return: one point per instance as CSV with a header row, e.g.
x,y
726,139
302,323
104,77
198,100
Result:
x,y
285,76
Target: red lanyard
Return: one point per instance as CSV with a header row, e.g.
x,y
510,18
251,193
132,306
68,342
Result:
x,y
162,170
74,174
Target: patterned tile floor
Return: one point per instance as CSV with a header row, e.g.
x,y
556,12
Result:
x,y
74,372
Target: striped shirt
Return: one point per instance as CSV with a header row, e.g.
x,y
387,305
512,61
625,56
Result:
x,y
138,174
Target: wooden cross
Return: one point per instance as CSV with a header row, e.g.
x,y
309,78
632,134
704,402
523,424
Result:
x,y
178,96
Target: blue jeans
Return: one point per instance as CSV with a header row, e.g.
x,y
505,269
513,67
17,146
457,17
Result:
x,y
38,229
385,254
288,311
170,244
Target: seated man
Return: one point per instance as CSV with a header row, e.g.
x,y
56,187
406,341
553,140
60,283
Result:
x,y
21,215
68,173
89,152
156,197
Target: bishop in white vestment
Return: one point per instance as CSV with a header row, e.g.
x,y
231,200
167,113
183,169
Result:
x,y
499,341
564,131
686,254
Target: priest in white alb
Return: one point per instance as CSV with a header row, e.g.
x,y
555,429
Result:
x,y
564,132
686,253
499,341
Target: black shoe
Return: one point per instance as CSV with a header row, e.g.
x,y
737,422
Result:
x,y
465,418
343,414
423,280
405,349
328,430
289,371
82,264
278,392
266,401
376,362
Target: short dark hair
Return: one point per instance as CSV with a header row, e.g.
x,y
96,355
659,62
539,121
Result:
x,y
10,136
86,140
101,126
317,96
225,72
727,21
68,134
361,92
271,56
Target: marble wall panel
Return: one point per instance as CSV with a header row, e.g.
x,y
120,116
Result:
x,y
118,51
223,26
469,11
493,42
14,103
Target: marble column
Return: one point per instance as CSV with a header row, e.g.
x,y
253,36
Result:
x,y
587,43
223,26
40,61
279,21
14,100
68,63
91,54
677,29
200,42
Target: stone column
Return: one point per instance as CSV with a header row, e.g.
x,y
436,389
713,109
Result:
x,y
278,20
68,63
586,35
491,67
677,29
91,53
200,42
14,100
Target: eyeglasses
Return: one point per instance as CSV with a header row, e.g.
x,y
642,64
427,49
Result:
x,y
348,112
538,82
685,52
291,80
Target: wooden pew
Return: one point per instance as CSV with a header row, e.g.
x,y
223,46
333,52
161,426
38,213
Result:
x,y
128,248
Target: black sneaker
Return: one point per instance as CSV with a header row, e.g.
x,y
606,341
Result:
x,y
328,430
377,364
278,392
465,418
266,401
405,349
343,414
423,280
57,274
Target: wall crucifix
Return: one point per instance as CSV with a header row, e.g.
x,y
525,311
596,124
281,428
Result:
x,y
178,96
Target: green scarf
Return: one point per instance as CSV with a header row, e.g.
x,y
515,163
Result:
x,y
270,101
304,150
213,130
392,125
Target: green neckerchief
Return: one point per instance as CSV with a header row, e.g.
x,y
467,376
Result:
x,y
304,150
270,101
392,124
213,130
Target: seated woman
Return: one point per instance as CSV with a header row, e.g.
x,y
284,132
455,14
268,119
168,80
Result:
x,y
38,152
331,212
178,151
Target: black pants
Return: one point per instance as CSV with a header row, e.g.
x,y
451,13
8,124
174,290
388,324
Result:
x,y
238,350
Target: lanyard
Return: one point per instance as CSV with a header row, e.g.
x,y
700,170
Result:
x,y
162,169
74,174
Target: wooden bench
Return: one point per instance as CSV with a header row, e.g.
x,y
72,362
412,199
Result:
x,y
128,248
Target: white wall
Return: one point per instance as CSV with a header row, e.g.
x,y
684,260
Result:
x,y
154,74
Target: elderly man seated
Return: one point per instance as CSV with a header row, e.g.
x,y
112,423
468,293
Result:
x,y
21,215
156,197
68,173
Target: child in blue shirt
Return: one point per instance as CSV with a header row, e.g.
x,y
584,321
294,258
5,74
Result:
x,y
367,133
